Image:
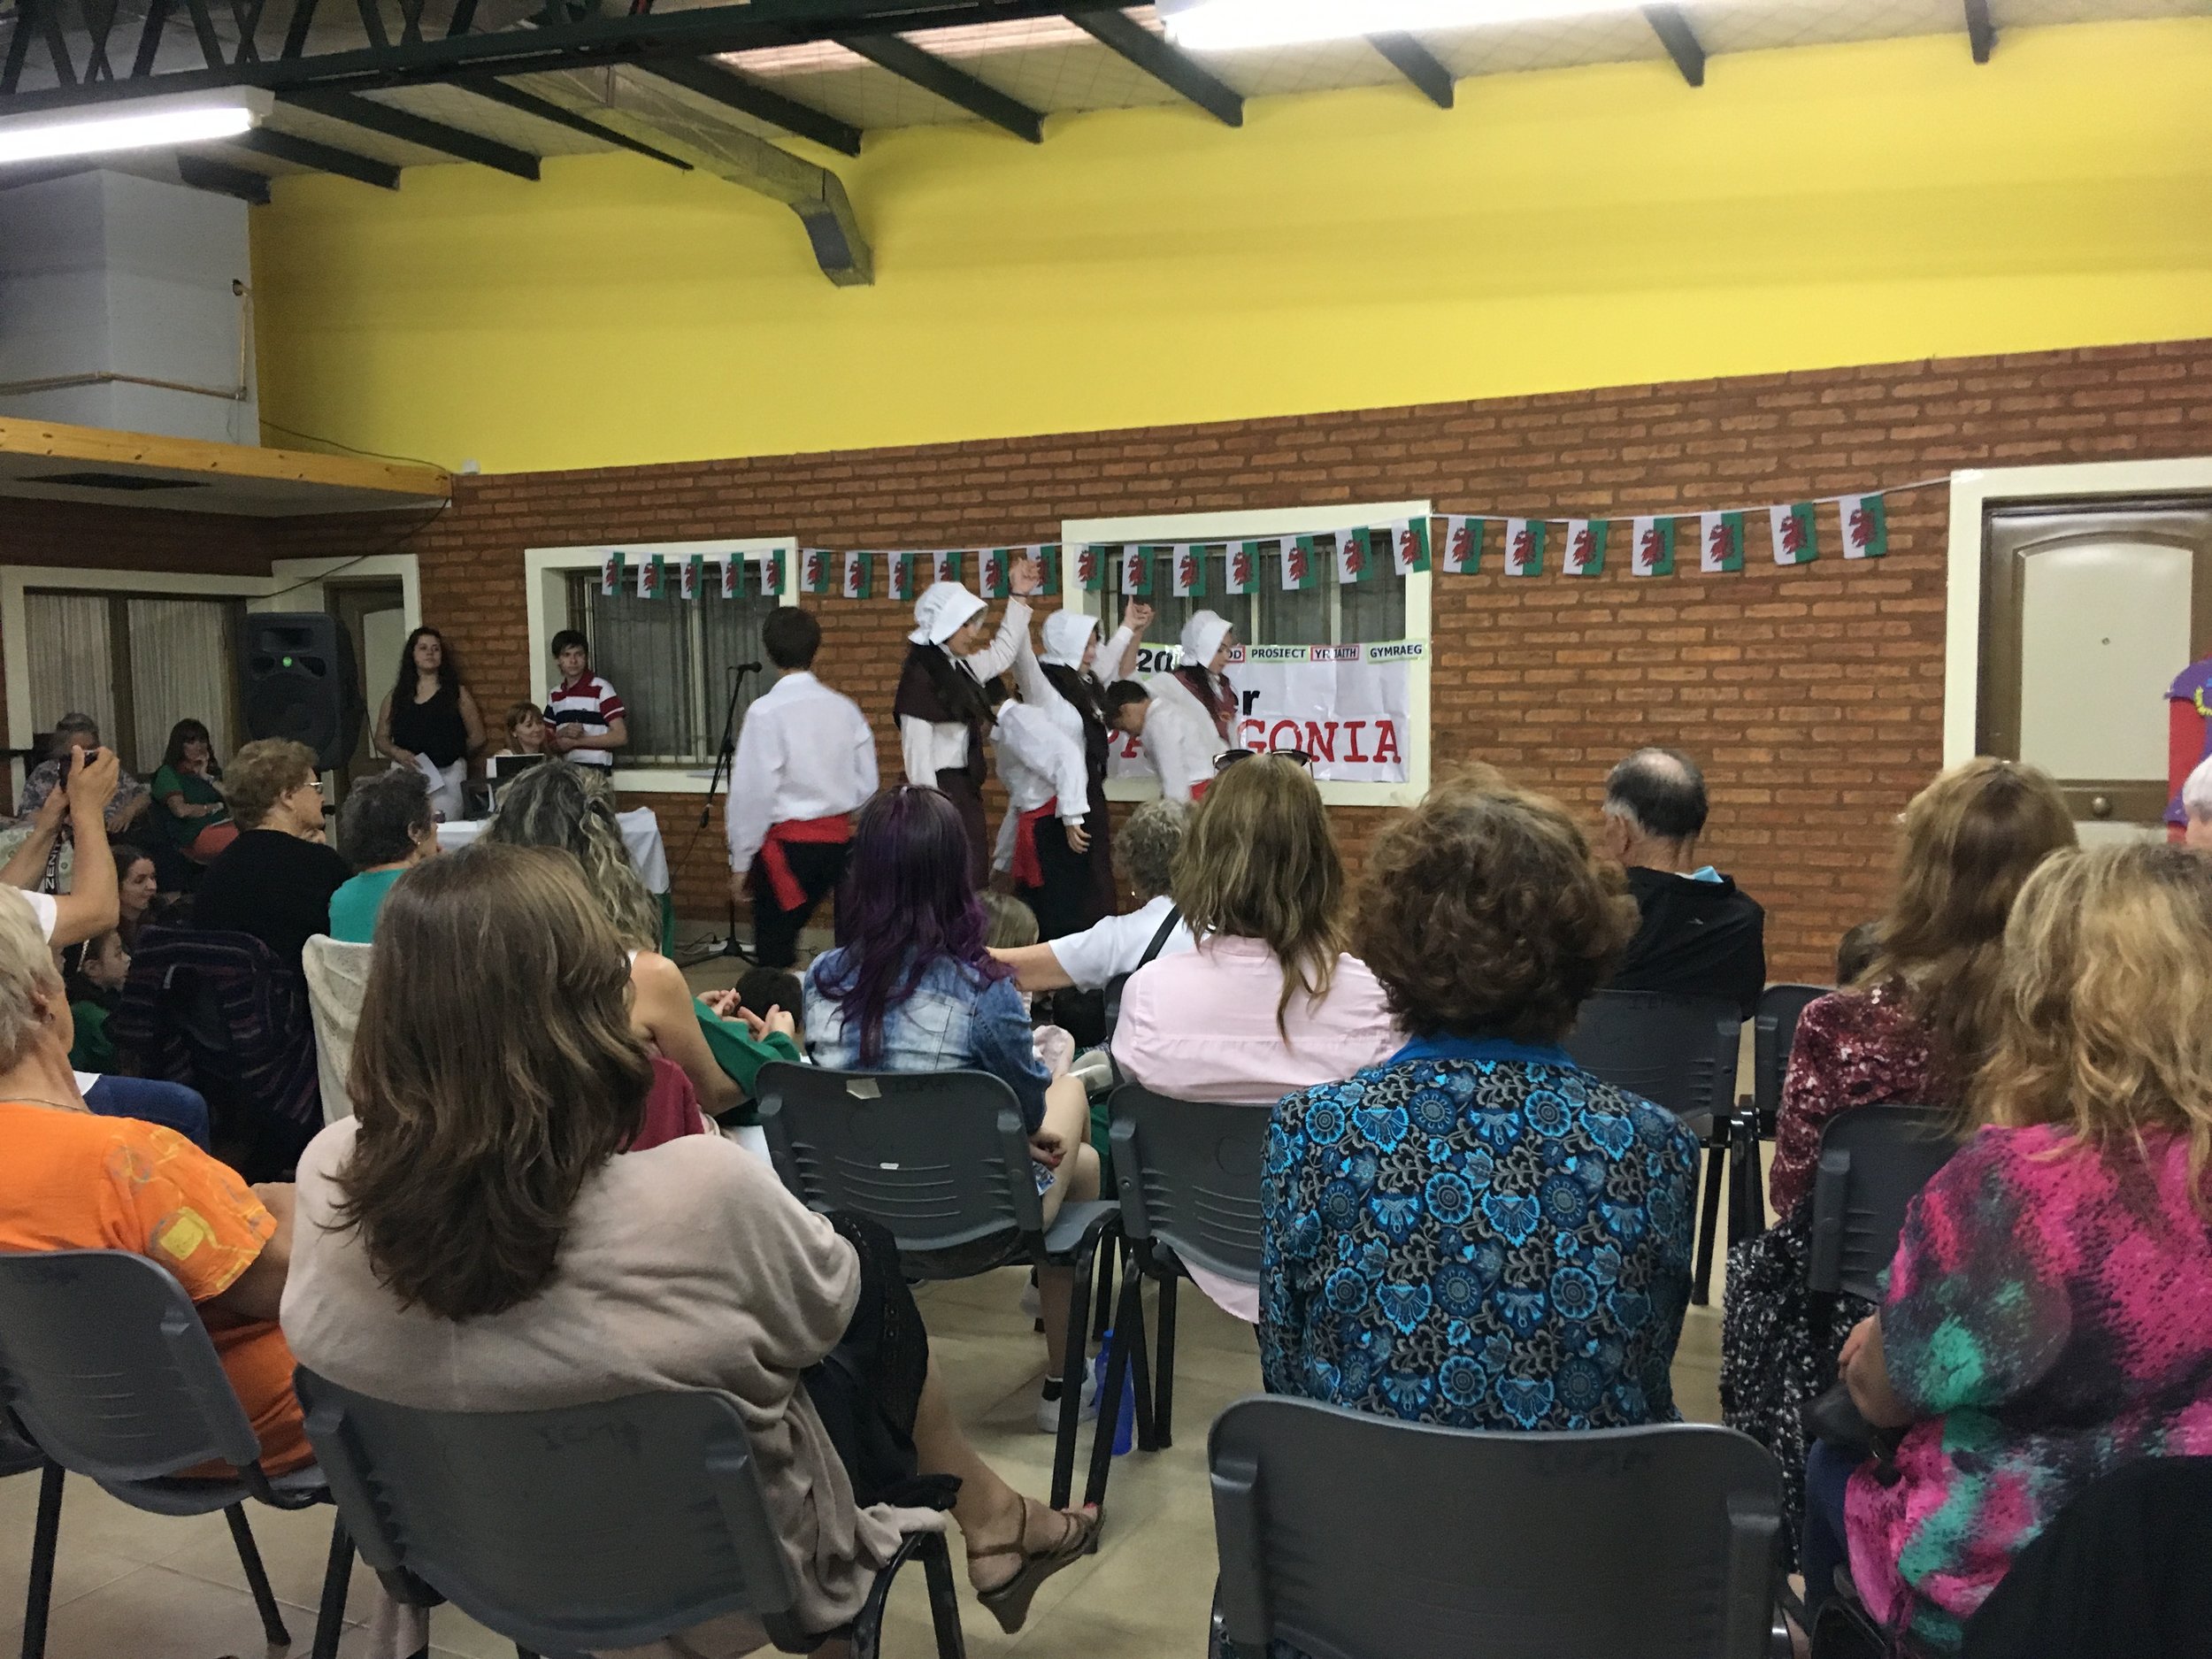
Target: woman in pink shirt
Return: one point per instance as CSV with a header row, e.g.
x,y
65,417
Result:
x,y
1269,1004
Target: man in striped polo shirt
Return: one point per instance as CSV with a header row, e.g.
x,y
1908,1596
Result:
x,y
585,714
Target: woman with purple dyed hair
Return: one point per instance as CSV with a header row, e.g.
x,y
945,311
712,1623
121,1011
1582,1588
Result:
x,y
910,988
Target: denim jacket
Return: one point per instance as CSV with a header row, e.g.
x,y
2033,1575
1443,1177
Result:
x,y
950,1024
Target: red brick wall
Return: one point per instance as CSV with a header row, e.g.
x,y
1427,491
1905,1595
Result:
x,y
131,537
1812,696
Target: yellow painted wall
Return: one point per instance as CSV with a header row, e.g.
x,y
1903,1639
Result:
x,y
1593,227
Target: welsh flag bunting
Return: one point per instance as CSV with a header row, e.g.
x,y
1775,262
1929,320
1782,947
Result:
x,y
1090,569
1795,541
994,579
694,571
1865,526
1188,562
1462,545
771,575
1355,556
814,571
1584,554
858,579
1047,557
1652,550
1302,564
1136,571
1720,542
903,567
1409,545
944,567
1524,547
652,578
731,576
1244,565
611,575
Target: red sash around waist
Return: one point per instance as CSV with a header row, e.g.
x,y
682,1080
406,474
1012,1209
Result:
x,y
1029,870
798,831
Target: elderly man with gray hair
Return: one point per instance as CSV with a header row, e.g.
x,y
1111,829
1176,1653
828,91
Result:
x,y
1700,935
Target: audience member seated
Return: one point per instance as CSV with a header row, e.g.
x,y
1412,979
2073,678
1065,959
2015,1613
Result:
x,y
1909,1031
190,807
136,887
761,991
274,880
910,988
469,1241
72,1180
91,905
385,827
1698,935
1268,1001
1475,1230
2049,1315
76,735
1111,948
568,808
92,974
525,729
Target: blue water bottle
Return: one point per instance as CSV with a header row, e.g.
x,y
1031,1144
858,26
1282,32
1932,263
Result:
x,y
1125,1424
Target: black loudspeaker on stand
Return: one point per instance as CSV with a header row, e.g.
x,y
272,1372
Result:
x,y
297,670
725,758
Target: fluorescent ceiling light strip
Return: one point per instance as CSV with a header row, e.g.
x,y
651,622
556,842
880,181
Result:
x,y
87,133
1228,25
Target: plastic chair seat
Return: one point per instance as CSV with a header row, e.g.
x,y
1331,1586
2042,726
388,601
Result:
x,y
1078,1225
302,1489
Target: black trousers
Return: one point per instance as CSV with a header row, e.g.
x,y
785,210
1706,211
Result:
x,y
1067,901
818,868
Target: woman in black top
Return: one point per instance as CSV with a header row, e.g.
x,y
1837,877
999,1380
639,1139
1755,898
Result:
x,y
275,881
431,717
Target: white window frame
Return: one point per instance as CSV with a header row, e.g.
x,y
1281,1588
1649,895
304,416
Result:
x,y
1972,492
1263,524
546,572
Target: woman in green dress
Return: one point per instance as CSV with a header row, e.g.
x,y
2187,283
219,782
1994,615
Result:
x,y
193,813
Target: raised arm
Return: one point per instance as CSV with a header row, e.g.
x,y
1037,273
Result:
x,y
91,905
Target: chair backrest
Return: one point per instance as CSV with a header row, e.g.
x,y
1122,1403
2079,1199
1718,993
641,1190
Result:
x,y
578,1530
105,1363
1873,1159
1679,1052
337,978
1773,1032
1189,1174
1361,1537
939,1158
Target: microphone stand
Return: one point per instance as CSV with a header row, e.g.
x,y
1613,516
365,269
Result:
x,y
717,782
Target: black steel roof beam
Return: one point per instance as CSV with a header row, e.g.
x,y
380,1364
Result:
x,y
57,40
415,129
1981,33
19,46
545,110
204,173
149,38
305,152
99,16
211,42
247,15
955,85
1417,64
1680,39
749,97
1168,64
295,31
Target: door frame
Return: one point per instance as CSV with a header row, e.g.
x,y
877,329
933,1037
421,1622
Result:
x,y
1975,490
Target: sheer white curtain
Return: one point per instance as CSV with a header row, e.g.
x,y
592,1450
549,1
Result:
x,y
180,668
72,662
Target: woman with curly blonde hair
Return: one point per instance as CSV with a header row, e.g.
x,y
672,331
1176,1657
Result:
x,y
2050,1311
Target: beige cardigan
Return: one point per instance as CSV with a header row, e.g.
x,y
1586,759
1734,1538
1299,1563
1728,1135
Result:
x,y
686,1266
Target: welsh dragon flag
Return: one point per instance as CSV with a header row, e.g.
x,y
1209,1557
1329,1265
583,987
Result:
x,y
1651,552
1188,564
693,572
652,578
1865,526
1795,541
1302,564
944,567
1409,545
994,575
814,571
731,575
1584,554
905,580
1355,556
1720,542
1244,565
610,574
1090,569
1462,544
1136,571
1047,557
858,579
1524,547
771,575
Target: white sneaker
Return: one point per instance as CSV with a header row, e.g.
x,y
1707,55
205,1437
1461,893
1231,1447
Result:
x,y
1048,1410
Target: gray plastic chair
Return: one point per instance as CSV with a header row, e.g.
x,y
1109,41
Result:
x,y
1189,1175
108,1371
1874,1160
1773,1034
940,1159
1679,1052
1356,1537
583,1529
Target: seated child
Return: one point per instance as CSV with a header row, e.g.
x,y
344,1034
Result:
x,y
93,973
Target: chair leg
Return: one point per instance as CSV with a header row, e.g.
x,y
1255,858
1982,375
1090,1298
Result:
x,y
944,1599
1140,1370
1709,1223
1105,1316
1164,1384
1128,1338
45,1541
1072,1372
257,1577
330,1617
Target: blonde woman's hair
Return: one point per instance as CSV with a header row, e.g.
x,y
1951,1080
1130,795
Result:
x,y
1971,839
564,805
1259,861
26,974
263,773
2101,1009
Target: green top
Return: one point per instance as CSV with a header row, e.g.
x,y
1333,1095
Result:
x,y
353,907
94,1049
196,791
741,1054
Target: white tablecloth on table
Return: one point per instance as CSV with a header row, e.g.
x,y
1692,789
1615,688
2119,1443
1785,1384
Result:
x,y
641,834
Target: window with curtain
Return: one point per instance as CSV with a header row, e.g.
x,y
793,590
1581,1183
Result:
x,y
1357,613
675,661
135,665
